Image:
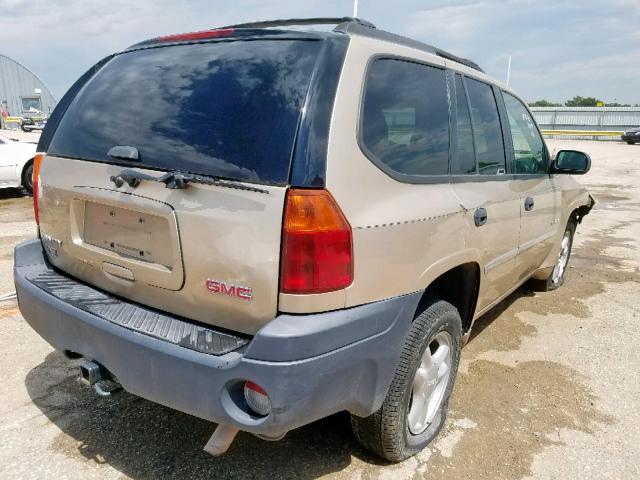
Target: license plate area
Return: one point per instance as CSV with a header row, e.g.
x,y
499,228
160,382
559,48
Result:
x,y
136,235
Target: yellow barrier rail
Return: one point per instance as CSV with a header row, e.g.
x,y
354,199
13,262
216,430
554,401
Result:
x,y
15,120
583,133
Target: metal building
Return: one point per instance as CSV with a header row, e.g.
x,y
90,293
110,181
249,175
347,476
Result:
x,y
22,90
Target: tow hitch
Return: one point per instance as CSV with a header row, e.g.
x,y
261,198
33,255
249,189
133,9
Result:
x,y
96,376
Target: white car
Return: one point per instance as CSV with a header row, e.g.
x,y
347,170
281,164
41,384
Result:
x,y
16,163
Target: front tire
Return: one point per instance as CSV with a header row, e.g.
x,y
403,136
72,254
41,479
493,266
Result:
x,y
557,276
416,405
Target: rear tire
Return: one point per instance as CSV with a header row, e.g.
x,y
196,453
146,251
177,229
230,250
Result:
x,y
557,275
415,407
630,142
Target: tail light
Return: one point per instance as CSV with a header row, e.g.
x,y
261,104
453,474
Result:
x,y
257,399
37,161
317,252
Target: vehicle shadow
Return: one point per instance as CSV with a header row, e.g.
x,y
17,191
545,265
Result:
x,y
12,193
488,318
142,439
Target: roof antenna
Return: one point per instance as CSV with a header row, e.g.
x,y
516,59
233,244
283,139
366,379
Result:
x,y
355,8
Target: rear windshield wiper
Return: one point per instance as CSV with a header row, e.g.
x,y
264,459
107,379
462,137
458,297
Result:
x,y
178,180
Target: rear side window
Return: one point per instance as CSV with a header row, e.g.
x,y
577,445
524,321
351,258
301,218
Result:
x,y
405,118
487,132
464,159
528,147
227,109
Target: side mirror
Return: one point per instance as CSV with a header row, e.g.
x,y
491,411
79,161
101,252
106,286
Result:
x,y
571,162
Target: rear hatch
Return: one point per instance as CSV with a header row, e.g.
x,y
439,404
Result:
x,y
185,215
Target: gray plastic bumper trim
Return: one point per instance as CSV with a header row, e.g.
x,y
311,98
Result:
x,y
342,360
135,317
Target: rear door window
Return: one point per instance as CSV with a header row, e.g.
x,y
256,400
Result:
x,y
487,132
226,109
405,118
464,159
528,147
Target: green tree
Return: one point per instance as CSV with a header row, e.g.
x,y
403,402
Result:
x,y
544,103
579,101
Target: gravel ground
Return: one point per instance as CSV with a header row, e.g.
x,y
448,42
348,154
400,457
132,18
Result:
x,y
548,386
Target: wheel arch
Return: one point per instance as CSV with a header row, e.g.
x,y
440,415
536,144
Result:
x,y
580,212
577,212
459,286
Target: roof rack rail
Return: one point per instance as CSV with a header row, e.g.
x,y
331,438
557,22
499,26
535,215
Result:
x,y
303,21
366,31
348,25
455,58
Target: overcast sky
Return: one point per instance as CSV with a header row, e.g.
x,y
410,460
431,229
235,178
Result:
x,y
559,48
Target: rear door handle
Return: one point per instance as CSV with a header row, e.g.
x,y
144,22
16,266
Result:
x,y
480,216
528,204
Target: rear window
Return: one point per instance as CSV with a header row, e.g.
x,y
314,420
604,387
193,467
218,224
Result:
x,y
227,109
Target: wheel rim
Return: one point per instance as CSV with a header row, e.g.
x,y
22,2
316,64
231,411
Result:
x,y
563,258
430,383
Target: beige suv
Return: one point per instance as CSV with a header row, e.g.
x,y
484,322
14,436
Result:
x,y
263,226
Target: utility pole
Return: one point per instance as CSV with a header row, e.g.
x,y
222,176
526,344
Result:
x,y
509,70
355,8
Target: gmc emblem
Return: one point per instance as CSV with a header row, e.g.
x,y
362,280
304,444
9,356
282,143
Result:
x,y
223,288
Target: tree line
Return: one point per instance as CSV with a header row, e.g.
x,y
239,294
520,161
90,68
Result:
x,y
579,101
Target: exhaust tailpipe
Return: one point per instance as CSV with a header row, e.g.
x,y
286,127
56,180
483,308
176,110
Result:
x,y
221,440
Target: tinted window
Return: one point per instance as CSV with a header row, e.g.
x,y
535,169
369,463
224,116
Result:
x,y
405,119
464,158
226,109
528,147
486,128
56,116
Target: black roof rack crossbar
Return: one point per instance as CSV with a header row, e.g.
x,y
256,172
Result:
x,y
302,21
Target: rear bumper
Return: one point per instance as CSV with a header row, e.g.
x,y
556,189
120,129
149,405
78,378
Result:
x,y
631,138
310,365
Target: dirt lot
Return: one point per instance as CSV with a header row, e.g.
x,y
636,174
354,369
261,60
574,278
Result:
x,y
548,386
